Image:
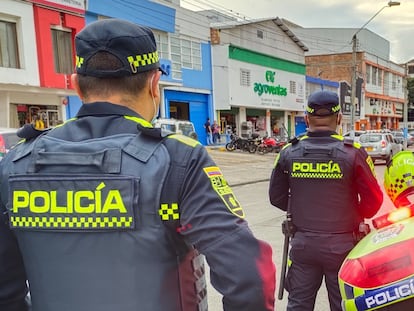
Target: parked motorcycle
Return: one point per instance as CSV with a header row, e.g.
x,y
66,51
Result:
x,y
378,274
270,144
244,144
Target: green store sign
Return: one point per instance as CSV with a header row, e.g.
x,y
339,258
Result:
x,y
270,87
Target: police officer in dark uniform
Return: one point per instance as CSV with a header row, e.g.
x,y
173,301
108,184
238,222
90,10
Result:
x,y
328,186
108,213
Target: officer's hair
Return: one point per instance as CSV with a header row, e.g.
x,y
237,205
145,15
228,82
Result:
x,y
127,85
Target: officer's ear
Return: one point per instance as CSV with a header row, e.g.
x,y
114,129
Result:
x,y
154,85
307,120
75,84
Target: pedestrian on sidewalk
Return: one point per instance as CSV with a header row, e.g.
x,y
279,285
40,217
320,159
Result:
x,y
209,132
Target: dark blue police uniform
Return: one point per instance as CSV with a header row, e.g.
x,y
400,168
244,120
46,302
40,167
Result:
x,y
106,213
328,186
332,189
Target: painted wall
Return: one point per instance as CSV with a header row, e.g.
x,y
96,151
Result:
x,y
44,19
200,79
270,80
275,41
22,14
143,12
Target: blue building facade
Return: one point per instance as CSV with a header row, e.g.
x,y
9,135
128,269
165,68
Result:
x,y
187,88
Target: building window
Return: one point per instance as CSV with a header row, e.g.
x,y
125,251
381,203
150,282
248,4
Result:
x,y
410,69
374,75
260,33
176,57
62,50
245,77
368,74
9,52
292,87
162,44
191,54
185,53
394,82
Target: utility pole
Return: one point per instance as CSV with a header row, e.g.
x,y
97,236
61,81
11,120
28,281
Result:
x,y
354,64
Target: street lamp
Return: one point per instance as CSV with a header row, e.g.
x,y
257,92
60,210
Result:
x,y
354,65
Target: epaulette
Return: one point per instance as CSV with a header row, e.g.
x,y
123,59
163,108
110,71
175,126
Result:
x,y
28,131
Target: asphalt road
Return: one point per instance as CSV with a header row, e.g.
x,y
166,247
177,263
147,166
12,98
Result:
x,y
248,175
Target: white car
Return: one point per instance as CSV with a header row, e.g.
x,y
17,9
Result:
x,y
183,127
380,145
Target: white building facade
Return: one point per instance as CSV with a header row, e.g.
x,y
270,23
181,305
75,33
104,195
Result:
x,y
258,76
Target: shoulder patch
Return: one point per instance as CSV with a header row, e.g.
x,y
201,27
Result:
x,y
224,191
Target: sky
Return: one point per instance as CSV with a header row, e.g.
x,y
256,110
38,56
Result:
x,y
395,24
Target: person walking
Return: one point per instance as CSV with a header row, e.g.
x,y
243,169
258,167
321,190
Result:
x,y
328,187
106,213
209,132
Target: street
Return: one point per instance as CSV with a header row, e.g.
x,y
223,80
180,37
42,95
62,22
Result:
x,y
248,175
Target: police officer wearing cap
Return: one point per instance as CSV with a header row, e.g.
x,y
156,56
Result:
x,y
327,185
108,213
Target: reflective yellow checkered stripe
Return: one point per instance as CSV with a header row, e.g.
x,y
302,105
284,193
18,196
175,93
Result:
x,y
79,61
142,60
317,175
169,212
30,222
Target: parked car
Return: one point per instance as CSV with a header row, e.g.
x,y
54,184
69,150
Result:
x,y
183,127
399,137
357,134
380,146
8,138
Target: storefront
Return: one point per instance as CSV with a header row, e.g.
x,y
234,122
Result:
x,y
264,91
381,113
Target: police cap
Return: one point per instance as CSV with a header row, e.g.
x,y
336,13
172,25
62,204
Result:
x,y
323,103
133,45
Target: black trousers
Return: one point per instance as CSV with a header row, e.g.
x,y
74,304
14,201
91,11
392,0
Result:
x,y
315,256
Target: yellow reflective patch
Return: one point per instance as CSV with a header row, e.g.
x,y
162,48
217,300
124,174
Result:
x,y
321,170
169,212
79,202
371,164
184,139
71,222
224,191
141,121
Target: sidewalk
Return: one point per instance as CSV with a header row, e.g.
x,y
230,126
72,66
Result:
x,y
240,167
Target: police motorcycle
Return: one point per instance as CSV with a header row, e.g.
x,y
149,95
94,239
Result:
x,y
378,274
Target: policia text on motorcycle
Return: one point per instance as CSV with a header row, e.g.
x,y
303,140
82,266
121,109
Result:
x,y
108,213
327,187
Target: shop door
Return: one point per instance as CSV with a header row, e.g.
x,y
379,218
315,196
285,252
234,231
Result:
x,y
179,110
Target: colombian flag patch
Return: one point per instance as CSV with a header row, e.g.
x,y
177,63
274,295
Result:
x,y
224,191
